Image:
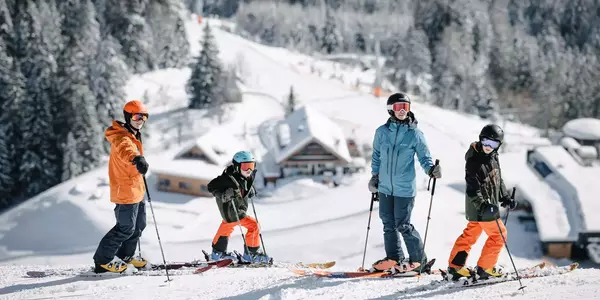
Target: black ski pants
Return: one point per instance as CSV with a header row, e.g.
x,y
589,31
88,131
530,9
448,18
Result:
x,y
122,239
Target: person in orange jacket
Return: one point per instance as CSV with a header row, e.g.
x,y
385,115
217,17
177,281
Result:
x,y
126,167
485,191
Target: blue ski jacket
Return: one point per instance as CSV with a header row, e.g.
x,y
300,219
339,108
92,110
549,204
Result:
x,y
394,147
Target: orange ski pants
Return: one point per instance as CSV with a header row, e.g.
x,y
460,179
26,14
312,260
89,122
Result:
x,y
491,249
252,237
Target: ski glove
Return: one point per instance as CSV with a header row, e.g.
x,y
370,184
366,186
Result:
x,y
374,183
140,164
435,171
507,201
489,211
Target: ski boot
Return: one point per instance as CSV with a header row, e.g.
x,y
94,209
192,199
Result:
x,y
253,256
458,273
116,265
218,255
138,261
488,273
406,265
384,264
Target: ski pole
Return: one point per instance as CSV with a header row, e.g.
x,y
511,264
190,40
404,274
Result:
x,y
374,197
437,162
509,255
237,217
259,228
139,248
156,227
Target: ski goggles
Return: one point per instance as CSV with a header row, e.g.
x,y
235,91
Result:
x,y
399,106
139,117
247,166
490,143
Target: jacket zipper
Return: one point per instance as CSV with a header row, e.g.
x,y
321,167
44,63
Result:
x,y
392,161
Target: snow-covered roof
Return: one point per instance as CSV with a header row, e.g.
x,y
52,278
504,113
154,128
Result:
x,y
307,124
187,168
583,179
268,167
583,129
218,145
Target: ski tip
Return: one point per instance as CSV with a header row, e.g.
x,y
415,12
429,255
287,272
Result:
x,y
203,269
224,263
573,266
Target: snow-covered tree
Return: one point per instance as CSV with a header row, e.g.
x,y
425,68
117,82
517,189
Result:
x,y
171,46
38,151
204,85
51,20
330,37
6,29
108,75
291,102
125,22
72,161
75,101
11,95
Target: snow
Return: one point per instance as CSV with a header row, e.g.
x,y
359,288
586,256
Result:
x,y
580,181
305,125
187,168
302,220
583,129
218,145
548,209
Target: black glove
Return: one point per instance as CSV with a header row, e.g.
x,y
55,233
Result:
x,y
507,201
374,184
435,171
251,193
141,164
489,211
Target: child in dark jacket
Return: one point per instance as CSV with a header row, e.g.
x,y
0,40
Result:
x,y
232,189
485,191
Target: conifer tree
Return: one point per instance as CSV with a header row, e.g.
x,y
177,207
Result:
x,y
204,85
37,149
11,95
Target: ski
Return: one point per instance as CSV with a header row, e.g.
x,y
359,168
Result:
x,y
240,263
393,273
324,265
539,270
192,264
217,264
196,267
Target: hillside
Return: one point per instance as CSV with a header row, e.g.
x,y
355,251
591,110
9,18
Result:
x,y
61,227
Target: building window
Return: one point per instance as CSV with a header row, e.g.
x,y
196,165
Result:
x,y
184,185
542,169
164,183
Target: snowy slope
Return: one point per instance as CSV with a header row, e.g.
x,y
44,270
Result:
x,y
62,226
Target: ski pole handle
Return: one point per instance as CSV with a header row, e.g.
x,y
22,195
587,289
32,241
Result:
x,y
437,162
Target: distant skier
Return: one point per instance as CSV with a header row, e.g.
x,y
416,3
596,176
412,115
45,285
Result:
x,y
126,166
485,190
232,189
393,168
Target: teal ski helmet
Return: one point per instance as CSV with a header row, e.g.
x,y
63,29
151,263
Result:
x,y
242,157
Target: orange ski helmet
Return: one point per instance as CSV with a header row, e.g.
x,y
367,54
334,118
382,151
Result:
x,y
134,107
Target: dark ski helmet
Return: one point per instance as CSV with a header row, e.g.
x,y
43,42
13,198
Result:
x,y
395,98
492,132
